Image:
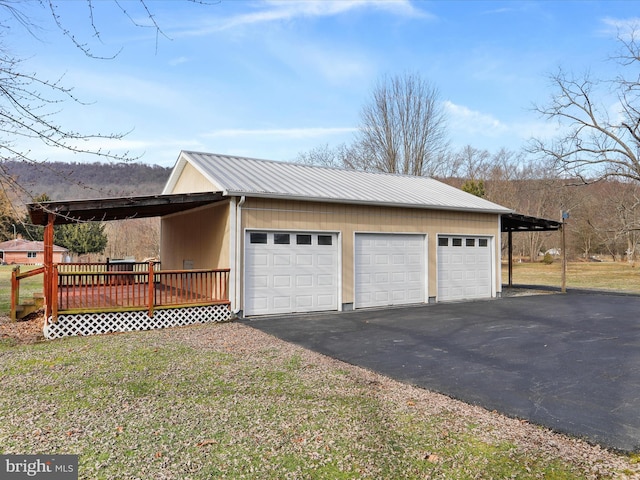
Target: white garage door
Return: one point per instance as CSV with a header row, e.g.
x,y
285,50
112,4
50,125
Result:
x,y
288,272
464,267
389,269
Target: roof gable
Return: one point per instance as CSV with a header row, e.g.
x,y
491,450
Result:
x,y
240,176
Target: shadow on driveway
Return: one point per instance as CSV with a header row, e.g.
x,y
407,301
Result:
x,y
568,362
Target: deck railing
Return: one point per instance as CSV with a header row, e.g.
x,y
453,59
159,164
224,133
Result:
x,y
16,276
103,290
109,266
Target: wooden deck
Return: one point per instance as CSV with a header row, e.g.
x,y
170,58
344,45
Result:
x,y
123,296
119,287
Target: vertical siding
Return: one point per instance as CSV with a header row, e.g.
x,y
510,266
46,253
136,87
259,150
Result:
x,y
191,181
200,236
350,219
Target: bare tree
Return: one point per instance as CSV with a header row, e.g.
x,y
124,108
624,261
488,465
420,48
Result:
x,y
326,156
473,163
29,102
134,237
596,143
403,128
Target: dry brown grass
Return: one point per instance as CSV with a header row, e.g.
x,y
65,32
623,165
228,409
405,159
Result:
x,y
612,276
228,401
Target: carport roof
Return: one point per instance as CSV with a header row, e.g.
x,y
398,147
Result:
x,y
105,209
514,222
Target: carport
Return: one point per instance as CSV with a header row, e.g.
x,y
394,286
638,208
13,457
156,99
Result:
x,y
515,222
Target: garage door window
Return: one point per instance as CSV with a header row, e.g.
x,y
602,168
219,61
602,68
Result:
x,y
456,242
470,242
483,242
281,238
443,242
303,239
258,238
325,240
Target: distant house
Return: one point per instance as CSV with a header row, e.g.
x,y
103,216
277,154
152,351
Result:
x,y
27,252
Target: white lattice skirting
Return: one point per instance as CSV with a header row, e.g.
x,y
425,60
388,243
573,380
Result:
x,y
109,322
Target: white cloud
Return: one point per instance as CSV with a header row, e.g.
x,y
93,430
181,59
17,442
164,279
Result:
x,y
473,122
288,10
623,27
485,131
118,86
174,62
280,132
338,65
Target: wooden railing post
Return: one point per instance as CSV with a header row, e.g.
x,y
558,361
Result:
x,y
54,293
15,292
48,263
151,289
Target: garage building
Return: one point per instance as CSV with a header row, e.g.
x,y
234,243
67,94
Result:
x,y
302,238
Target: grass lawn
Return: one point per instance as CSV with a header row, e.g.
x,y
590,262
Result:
x,y
617,276
28,286
227,401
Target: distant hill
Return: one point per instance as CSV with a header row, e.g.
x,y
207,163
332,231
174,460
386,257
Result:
x,y
74,181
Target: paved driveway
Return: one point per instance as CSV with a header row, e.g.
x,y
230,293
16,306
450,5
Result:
x,y
568,362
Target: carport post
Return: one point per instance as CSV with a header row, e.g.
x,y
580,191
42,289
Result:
x,y
510,258
563,288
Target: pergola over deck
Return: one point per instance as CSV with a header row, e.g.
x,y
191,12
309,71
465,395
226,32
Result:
x,y
514,222
53,213
105,209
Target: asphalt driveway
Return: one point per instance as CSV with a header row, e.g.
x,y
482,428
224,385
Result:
x,y
568,362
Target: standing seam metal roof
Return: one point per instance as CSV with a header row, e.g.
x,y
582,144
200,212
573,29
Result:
x,y
237,176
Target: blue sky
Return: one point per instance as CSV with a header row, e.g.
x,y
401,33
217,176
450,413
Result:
x,y
271,79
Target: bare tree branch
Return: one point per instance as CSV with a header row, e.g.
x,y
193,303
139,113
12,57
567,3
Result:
x,y
592,146
403,128
30,103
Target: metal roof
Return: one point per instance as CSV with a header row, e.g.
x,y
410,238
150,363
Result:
x,y
104,209
240,176
514,222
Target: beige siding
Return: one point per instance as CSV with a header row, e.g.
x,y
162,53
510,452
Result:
x,y
191,181
200,236
350,219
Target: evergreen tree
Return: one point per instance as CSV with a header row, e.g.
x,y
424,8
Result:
x,y
474,187
81,238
